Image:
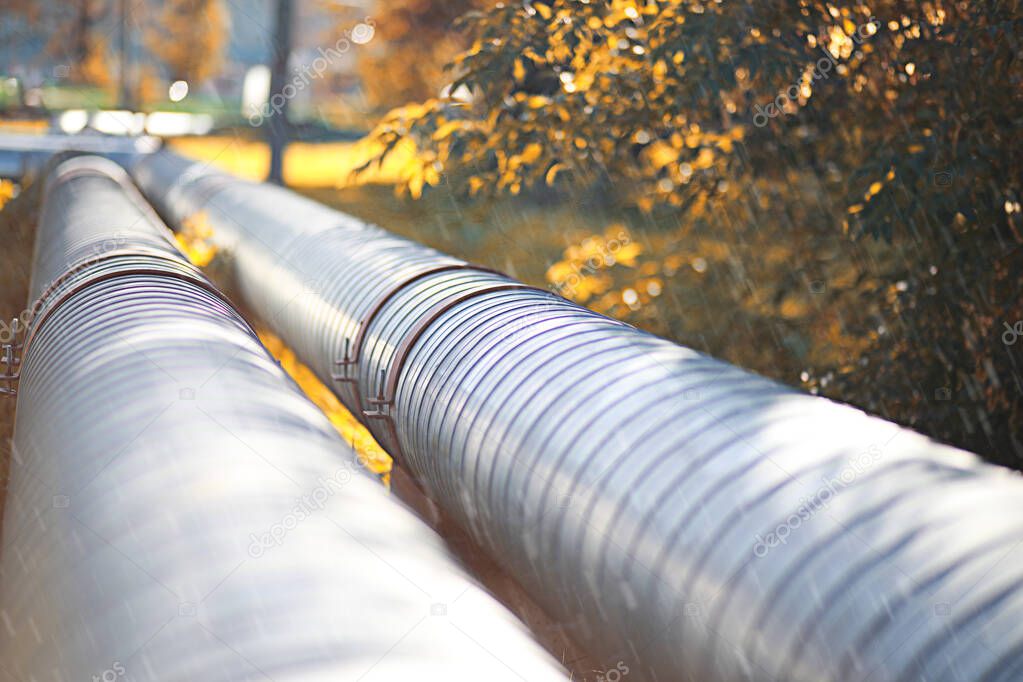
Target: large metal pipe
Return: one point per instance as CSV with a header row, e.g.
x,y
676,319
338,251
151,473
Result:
x,y
178,510
690,520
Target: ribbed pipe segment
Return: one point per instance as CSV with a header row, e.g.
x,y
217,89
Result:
x,y
177,508
687,519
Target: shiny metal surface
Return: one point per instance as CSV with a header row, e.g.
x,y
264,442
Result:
x,y
689,520
178,510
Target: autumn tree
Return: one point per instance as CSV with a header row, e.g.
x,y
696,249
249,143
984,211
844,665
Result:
x,y
189,38
895,122
75,36
413,43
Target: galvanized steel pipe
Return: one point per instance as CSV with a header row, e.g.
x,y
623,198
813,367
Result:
x,y
178,510
689,520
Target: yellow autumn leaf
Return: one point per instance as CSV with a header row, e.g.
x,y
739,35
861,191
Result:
x,y
559,272
661,154
531,153
627,254
6,192
445,130
194,239
704,159
415,185
431,175
552,173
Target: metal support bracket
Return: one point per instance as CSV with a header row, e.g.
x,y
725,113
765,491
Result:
x,y
344,363
10,358
387,386
353,349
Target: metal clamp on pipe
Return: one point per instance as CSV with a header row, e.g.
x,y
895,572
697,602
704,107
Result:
x,y
388,385
350,353
11,358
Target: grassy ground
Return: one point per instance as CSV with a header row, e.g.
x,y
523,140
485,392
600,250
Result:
x,y
17,228
306,165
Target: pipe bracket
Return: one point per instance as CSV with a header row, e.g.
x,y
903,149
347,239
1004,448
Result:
x,y
10,358
387,387
353,349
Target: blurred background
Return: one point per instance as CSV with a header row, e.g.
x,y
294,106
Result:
x,y
826,193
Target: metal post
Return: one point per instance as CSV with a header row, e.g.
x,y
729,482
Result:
x,y
278,130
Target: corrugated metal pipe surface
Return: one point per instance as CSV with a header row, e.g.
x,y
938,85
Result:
x,y
178,510
690,520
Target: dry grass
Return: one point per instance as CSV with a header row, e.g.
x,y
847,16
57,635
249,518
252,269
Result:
x,y
18,219
306,165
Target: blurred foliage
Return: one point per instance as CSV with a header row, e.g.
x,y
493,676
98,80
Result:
x,y
322,164
77,41
774,126
74,37
8,190
195,239
418,36
189,37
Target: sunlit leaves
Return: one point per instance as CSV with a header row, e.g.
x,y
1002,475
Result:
x,y
7,192
599,271
898,119
190,37
195,239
